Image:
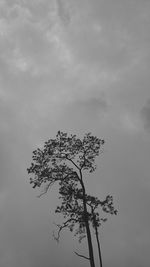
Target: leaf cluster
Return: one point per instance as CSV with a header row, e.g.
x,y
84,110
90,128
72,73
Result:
x,y
63,160
60,156
72,208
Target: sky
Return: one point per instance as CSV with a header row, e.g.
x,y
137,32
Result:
x,y
75,66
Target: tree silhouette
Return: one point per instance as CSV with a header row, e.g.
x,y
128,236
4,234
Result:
x,y
64,160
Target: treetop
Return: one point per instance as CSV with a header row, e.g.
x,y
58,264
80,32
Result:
x,y
63,157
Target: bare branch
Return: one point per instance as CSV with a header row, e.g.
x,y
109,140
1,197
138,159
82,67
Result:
x,y
82,256
46,189
58,233
61,227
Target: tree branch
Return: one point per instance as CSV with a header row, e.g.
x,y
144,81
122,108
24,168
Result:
x,y
65,224
92,208
73,163
82,256
46,189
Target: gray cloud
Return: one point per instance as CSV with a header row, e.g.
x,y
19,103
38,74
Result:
x,y
90,108
145,115
63,11
77,66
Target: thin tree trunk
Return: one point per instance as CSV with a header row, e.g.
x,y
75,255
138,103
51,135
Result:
x,y
99,248
90,246
89,238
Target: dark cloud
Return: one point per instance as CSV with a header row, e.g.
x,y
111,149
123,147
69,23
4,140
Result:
x,y
63,12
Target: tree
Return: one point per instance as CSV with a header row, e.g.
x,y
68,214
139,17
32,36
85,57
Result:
x,y
64,160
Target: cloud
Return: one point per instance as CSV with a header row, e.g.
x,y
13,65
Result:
x,y
66,40
130,122
63,11
77,66
95,42
32,45
89,107
145,115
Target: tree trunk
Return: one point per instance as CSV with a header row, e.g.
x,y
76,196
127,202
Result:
x,y
99,249
90,246
88,232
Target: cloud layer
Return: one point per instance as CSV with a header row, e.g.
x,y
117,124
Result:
x,y
78,66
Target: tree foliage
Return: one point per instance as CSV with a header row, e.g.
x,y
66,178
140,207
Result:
x,y
64,160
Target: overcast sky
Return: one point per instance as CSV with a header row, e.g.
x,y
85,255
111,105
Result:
x,y
78,66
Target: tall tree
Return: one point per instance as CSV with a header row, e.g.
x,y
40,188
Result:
x,y
64,160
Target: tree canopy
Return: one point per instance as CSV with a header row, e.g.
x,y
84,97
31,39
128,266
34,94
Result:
x,y
65,160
